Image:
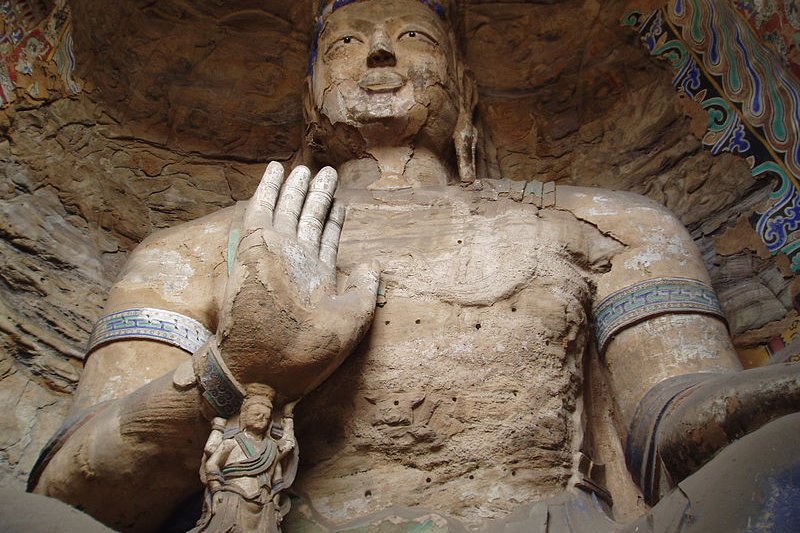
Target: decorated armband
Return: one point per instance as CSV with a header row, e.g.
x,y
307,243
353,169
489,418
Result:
x,y
649,299
220,389
151,324
208,370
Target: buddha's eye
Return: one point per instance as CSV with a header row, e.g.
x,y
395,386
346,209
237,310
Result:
x,y
419,36
346,39
342,43
349,39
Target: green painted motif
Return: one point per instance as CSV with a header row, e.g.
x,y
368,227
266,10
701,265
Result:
x,y
734,77
674,51
697,29
720,113
233,244
779,114
771,166
631,19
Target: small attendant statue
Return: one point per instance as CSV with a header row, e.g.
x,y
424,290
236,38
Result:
x,y
247,467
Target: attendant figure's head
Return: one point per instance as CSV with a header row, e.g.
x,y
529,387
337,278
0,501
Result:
x,y
256,413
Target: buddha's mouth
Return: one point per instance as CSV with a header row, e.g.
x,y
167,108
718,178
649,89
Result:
x,y
382,80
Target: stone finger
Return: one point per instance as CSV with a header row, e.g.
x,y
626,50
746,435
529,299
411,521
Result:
x,y
316,208
291,199
329,247
361,292
262,205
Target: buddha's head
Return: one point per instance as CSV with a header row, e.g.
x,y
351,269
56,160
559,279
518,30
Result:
x,y
388,73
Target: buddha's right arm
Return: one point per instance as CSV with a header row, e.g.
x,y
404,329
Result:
x,y
134,440
133,458
278,319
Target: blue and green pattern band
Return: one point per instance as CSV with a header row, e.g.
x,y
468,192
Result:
x,y
649,299
147,323
220,389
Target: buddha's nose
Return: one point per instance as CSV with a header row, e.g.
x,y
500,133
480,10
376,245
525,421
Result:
x,y
381,53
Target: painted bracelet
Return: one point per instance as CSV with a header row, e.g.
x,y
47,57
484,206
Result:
x,y
220,389
147,323
651,298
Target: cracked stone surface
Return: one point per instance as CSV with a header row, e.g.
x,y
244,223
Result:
x,y
185,102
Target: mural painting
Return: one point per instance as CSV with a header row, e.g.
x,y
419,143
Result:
x,y
777,23
30,41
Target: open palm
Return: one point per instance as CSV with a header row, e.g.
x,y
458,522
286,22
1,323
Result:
x,y
282,321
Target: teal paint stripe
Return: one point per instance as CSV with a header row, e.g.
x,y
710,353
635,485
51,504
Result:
x,y
233,245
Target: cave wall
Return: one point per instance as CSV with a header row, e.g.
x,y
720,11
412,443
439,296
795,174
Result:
x,y
117,119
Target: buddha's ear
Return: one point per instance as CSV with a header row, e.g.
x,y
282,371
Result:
x,y
311,117
310,112
465,135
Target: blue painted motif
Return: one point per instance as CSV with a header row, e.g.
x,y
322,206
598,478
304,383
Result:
x,y
652,298
688,78
153,324
713,52
779,223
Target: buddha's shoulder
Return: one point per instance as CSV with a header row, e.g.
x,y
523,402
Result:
x,y
545,194
619,212
606,201
586,203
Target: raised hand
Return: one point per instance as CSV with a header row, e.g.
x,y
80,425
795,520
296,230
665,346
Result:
x,y
282,321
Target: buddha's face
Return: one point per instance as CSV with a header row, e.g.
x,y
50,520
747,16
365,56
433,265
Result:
x,y
387,63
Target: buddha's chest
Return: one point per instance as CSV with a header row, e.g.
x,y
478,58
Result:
x,y
470,372
458,254
485,290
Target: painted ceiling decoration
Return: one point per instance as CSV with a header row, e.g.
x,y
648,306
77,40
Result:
x,y
751,98
30,37
777,23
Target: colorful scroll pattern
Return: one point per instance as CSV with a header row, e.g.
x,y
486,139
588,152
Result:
x,y
30,41
752,101
777,23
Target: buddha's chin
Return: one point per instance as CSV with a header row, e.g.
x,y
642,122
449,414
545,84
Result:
x,y
389,117
373,118
371,106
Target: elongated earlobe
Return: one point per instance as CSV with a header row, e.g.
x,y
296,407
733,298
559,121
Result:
x,y
465,135
311,117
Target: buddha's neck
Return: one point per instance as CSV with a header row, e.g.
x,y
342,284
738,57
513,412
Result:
x,y
395,167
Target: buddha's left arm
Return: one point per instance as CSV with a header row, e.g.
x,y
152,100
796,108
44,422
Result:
x,y
655,313
680,390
